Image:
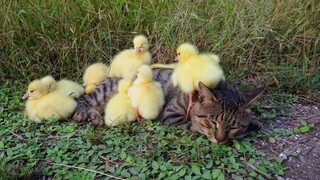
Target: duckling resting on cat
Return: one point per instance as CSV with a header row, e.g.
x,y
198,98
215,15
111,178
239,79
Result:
x,y
193,67
146,95
119,109
64,86
234,120
42,105
126,63
94,75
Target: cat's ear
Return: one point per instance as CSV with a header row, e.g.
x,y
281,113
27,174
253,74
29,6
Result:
x,y
253,95
205,93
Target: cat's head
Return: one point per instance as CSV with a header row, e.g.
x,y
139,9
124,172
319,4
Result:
x,y
222,117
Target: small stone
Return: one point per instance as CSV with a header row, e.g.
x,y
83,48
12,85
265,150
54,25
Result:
x,y
279,178
283,156
301,158
271,140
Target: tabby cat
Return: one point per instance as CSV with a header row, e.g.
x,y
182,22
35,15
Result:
x,y
224,109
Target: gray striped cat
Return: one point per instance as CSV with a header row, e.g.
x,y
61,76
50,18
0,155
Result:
x,y
221,114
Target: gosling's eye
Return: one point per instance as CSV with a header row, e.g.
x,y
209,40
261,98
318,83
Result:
x,y
178,54
31,91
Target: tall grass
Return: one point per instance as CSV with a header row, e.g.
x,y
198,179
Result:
x,y
259,41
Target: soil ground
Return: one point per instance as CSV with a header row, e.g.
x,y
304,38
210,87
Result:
x,y
300,152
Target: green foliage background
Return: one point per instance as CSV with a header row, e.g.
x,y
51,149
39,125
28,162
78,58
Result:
x,y
272,41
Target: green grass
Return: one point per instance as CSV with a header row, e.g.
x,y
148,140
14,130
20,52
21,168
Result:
x,y
260,42
146,150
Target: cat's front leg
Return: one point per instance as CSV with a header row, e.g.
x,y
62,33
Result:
x,y
84,114
80,115
91,106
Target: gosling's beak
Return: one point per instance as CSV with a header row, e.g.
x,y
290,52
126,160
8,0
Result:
x,y
138,51
176,59
25,96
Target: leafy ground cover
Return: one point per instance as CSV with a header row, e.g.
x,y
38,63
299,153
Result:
x,y
146,150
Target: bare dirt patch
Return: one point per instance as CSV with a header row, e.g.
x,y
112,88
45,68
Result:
x,y
300,152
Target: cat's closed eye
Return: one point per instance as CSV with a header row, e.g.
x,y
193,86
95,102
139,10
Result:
x,y
205,116
211,116
201,116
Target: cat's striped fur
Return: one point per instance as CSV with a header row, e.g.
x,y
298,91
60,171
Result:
x,y
222,108
90,107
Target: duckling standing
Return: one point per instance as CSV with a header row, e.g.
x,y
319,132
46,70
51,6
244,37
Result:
x,y
146,95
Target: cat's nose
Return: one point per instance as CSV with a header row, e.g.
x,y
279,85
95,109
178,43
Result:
x,y
219,137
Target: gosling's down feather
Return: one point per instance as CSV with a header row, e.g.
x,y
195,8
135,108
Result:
x,y
126,63
50,82
42,105
119,109
64,86
146,95
94,75
193,67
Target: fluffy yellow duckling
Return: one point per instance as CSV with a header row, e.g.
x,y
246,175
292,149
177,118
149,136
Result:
x,y
64,86
94,75
193,68
42,105
146,95
126,63
50,82
119,109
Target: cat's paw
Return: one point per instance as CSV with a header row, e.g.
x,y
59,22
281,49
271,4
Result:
x,y
80,116
95,118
